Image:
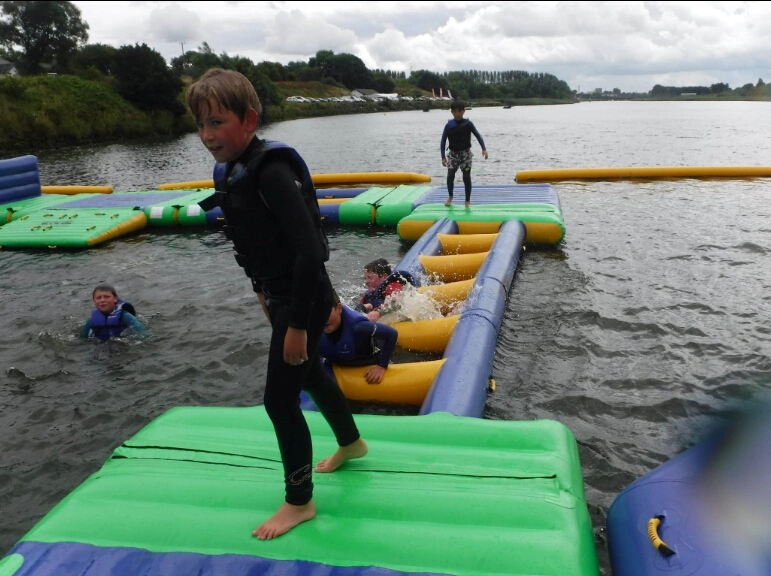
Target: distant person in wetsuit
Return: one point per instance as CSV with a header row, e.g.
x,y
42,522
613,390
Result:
x,y
458,131
382,283
110,316
350,339
267,197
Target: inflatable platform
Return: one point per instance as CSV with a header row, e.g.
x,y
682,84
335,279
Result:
x,y
470,272
32,216
436,494
705,512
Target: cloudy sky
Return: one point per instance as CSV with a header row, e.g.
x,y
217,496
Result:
x,y
626,45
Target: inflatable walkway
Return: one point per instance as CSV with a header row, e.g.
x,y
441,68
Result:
x,y
436,494
32,216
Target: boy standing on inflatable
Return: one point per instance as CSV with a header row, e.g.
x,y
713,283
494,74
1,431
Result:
x,y
110,316
272,217
350,339
458,131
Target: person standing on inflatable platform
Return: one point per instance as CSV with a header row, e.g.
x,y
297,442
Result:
x,y
110,316
458,131
350,339
272,217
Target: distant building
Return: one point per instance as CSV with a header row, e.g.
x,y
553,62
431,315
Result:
x,y
364,93
7,68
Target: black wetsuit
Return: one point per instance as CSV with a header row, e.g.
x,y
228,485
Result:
x,y
459,135
279,241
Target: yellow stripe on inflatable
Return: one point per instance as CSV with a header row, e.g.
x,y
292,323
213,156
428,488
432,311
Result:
x,y
426,335
332,200
133,224
402,383
543,232
479,227
69,190
348,178
449,294
644,172
454,267
187,185
466,243
412,230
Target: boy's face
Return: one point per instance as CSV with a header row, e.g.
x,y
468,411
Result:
x,y
105,301
457,113
223,132
333,323
372,280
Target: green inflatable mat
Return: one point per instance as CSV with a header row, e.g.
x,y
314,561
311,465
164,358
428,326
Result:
x,y
53,228
362,209
437,493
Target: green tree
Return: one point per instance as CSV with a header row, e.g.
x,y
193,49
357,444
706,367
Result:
x,y
42,30
382,83
100,56
428,80
144,78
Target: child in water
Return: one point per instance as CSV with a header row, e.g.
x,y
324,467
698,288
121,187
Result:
x,y
110,316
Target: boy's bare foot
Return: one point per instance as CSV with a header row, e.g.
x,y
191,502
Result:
x,y
286,518
344,453
448,201
468,205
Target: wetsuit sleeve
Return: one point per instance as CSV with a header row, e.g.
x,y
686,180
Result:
x,y
86,330
277,182
444,141
128,320
476,133
384,336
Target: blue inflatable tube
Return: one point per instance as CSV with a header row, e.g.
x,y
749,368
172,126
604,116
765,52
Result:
x,y
427,245
461,385
215,217
19,179
330,214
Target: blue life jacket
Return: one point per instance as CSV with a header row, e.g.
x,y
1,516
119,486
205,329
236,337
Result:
x,y
376,297
344,350
105,326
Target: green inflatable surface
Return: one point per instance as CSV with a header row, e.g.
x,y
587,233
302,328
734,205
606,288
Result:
x,y
436,493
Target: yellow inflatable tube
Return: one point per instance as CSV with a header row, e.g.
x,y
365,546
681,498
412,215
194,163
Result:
x,y
466,243
644,172
425,335
453,267
402,383
349,178
69,190
449,294
326,180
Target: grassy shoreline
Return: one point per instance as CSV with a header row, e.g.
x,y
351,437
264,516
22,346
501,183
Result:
x,y
45,112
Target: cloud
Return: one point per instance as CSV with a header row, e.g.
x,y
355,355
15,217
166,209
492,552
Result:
x,y
630,45
174,23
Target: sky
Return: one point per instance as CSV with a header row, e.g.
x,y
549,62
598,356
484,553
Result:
x,y
627,45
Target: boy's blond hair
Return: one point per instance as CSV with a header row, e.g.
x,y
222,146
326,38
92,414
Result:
x,y
231,89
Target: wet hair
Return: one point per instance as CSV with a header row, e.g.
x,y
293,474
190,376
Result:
x,y
104,288
457,105
381,267
232,90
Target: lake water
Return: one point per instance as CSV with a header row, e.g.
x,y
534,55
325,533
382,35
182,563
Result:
x,y
644,328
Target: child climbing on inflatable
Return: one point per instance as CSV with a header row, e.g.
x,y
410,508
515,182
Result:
x,y
382,285
110,316
350,339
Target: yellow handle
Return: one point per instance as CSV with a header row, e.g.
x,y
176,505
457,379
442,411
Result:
x,y
653,534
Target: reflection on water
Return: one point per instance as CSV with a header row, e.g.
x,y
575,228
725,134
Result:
x,y
641,329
